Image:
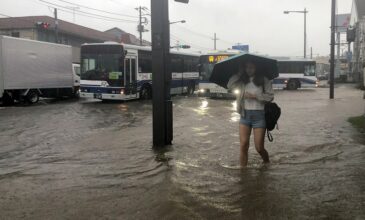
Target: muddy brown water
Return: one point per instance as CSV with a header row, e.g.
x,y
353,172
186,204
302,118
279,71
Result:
x,y
93,160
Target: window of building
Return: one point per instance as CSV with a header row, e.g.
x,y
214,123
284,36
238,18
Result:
x,y
15,34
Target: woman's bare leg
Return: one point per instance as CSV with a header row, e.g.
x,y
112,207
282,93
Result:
x,y
245,133
259,137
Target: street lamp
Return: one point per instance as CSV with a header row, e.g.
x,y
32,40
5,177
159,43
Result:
x,y
305,12
175,22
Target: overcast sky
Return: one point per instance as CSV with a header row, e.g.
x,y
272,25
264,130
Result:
x,y
259,23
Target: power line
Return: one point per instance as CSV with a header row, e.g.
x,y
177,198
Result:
x,y
193,32
94,9
83,15
88,13
201,34
174,37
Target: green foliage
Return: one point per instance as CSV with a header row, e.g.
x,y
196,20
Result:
x,y
358,122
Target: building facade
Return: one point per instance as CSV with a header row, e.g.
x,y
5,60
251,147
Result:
x,y
357,36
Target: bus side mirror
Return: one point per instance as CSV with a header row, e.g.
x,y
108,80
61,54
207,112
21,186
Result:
x,y
125,53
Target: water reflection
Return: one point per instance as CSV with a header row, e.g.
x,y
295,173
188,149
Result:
x,y
203,108
123,107
204,104
234,116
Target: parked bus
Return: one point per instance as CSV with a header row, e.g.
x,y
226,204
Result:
x,y
295,74
207,62
112,71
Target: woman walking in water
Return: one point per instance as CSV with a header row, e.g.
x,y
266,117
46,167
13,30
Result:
x,y
255,91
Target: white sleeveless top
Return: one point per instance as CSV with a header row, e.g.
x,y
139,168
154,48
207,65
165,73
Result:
x,y
253,104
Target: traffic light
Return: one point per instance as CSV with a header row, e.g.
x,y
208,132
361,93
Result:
x,y
43,25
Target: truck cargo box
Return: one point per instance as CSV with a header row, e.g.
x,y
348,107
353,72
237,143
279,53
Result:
x,y
27,64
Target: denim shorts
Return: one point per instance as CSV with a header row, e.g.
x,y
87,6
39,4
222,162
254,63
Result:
x,y
254,119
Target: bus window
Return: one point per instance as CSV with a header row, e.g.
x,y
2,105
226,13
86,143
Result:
x,y
88,64
145,61
127,70
310,70
177,64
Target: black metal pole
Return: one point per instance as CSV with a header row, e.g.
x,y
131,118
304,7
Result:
x,y
332,59
161,74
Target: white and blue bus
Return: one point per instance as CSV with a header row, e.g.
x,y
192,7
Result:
x,y
112,71
295,74
206,65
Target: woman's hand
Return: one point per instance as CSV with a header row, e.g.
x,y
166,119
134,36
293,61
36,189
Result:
x,y
249,95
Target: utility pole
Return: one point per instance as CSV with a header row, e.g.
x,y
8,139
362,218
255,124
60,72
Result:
x,y
161,80
140,27
305,32
56,25
142,21
215,39
161,71
333,42
311,52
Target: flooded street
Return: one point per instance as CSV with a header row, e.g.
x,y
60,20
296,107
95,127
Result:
x,y
93,160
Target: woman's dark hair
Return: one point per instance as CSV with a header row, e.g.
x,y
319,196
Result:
x,y
258,79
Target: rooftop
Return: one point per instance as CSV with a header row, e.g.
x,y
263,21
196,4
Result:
x,y
63,26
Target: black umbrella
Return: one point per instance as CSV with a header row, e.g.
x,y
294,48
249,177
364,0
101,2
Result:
x,y
225,69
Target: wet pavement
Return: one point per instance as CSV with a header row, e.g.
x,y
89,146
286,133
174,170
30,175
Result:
x,y
93,160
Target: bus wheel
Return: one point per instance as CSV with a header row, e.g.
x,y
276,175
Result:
x,y
146,93
7,99
32,97
292,85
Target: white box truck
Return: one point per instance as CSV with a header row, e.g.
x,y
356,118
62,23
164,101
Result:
x,y
32,69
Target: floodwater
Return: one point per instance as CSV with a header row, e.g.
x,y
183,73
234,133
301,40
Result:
x,y
93,160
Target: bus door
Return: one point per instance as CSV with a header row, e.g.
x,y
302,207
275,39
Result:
x,y
130,76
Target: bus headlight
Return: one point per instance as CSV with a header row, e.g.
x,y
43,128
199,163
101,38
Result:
x,y
236,91
201,90
122,92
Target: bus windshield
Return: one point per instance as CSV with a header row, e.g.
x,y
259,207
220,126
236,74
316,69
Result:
x,y
207,63
102,66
